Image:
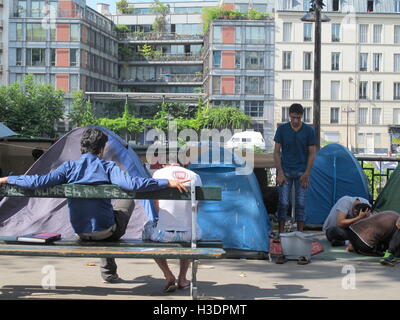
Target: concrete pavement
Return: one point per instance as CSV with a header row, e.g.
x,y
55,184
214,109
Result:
x,y
228,279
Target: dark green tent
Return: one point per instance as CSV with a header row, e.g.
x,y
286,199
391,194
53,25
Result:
x,y
389,198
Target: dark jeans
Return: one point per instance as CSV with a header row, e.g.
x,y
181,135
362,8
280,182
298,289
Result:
x,y
122,212
358,245
336,234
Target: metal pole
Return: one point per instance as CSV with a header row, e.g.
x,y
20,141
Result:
x,y
317,76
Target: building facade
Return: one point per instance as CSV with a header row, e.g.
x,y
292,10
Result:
x,y
360,62
64,43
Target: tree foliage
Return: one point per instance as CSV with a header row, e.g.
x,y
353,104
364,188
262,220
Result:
x,y
31,109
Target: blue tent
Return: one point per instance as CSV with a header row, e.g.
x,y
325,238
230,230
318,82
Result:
x,y
240,219
25,215
335,173
6,131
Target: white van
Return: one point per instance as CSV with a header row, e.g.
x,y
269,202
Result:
x,y
246,139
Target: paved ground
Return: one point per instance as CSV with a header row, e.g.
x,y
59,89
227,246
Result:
x,y
331,275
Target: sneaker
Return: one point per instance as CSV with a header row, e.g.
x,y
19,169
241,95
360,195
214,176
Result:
x,y
388,259
113,278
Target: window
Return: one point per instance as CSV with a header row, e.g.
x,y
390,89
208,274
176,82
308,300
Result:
x,y
255,35
73,57
287,4
306,5
217,34
334,115
335,32
396,116
377,57
307,89
396,62
285,114
254,108
335,60
254,85
52,57
396,91
376,90
217,59
254,60
35,32
287,60
216,84
19,32
75,32
18,57
370,6
38,8
396,5
238,55
307,32
377,36
363,86
39,78
287,31
286,89
363,61
238,84
362,115
363,35
35,57
332,137
307,115
335,87
73,82
396,32
307,60
238,35
21,9
335,5
376,115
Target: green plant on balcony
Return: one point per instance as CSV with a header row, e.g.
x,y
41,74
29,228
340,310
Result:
x,y
124,52
198,75
122,28
161,10
123,7
256,15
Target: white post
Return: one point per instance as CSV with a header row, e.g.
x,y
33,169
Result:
x,y
194,212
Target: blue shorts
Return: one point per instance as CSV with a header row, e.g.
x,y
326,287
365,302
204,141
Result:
x,y
151,232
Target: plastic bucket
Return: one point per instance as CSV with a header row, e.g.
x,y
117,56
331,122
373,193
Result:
x,y
296,244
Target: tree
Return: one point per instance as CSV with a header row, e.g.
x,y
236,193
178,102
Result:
x,y
161,10
122,6
31,109
81,112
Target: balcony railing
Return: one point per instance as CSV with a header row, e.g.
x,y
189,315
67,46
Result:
x,y
165,57
167,78
147,36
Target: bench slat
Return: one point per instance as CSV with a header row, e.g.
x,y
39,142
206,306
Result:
x,y
120,243
108,191
111,252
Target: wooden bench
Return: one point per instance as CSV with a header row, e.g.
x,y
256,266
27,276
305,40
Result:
x,y
126,248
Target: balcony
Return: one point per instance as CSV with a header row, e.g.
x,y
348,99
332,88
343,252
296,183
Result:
x,y
168,79
163,58
158,37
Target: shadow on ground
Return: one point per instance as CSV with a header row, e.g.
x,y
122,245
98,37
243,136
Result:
x,y
151,287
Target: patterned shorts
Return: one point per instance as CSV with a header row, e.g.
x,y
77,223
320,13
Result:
x,y
151,232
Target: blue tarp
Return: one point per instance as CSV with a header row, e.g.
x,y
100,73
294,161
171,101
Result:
x,y
335,173
240,219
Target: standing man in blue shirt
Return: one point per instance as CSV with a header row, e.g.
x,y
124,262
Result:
x,y
294,154
96,219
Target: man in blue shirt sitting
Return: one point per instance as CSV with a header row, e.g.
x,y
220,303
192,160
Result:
x,y
96,219
294,154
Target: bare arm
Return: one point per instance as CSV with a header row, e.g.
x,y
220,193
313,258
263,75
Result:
x,y
280,175
304,179
344,223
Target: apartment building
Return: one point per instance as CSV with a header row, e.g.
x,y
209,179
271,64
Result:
x,y
3,41
64,43
239,69
360,64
